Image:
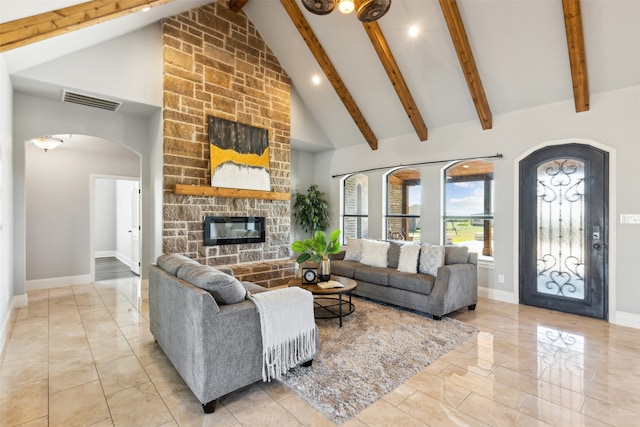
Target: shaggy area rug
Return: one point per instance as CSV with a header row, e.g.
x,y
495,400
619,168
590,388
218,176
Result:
x,y
377,349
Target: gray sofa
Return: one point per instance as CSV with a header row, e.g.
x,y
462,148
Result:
x,y
454,285
207,328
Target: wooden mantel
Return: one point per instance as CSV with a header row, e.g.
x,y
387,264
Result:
x,y
199,190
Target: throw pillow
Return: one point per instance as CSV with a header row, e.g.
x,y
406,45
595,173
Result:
x,y
171,263
455,254
224,288
393,257
374,253
431,257
354,249
408,262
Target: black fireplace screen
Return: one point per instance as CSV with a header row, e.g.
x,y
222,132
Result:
x,y
233,230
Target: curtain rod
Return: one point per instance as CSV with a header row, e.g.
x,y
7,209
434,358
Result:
x,y
496,156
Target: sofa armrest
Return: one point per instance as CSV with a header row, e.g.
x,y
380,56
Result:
x,y
456,286
225,269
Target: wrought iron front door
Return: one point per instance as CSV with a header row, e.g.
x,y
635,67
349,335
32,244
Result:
x,y
564,229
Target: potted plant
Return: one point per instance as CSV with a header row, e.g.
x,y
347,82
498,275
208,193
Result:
x,y
311,210
318,250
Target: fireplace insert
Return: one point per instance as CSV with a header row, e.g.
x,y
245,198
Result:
x,y
233,230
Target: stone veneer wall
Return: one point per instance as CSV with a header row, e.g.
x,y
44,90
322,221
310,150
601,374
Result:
x,y
216,63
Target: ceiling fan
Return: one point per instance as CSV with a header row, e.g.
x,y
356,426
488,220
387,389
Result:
x,y
366,10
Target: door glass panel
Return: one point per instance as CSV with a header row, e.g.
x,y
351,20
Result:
x,y
560,221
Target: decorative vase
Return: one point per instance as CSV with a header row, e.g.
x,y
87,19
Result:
x,y
324,270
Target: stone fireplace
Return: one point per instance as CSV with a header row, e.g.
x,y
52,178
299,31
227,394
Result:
x,y
216,64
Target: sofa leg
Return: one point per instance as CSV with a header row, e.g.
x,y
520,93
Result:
x,y
436,317
472,307
308,363
210,407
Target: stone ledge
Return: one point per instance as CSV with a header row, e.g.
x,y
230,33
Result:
x,y
267,274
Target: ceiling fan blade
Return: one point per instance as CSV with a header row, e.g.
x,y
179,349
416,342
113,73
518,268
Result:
x,y
319,7
371,10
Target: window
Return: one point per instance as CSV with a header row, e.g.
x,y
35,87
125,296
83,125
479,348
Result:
x,y
468,206
355,220
403,205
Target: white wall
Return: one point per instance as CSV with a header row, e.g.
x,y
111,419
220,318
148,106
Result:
x,y
104,217
302,177
127,67
7,292
613,121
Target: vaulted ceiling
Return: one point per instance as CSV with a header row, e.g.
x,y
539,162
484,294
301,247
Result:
x,y
472,60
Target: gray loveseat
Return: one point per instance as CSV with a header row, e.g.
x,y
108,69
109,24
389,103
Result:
x,y
207,328
435,284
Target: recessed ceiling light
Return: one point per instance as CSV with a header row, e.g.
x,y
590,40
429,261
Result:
x,y
315,80
414,30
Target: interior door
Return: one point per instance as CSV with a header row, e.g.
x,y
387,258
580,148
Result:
x,y
564,229
135,230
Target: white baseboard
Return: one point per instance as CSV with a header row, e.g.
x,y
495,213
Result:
x,y
17,302
123,258
623,318
498,295
114,254
106,254
56,282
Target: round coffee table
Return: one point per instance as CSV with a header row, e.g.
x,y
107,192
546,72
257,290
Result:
x,y
328,303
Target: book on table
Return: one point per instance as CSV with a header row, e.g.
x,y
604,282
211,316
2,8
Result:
x,y
330,284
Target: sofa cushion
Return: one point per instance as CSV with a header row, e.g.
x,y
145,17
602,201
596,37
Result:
x,y
224,288
354,249
393,256
454,254
171,263
252,288
379,276
431,257
408,262
374,253
344,268
419,283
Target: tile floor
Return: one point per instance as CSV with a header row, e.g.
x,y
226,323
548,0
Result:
x,y
84,356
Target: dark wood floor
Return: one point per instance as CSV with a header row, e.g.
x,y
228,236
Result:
x,y
112,268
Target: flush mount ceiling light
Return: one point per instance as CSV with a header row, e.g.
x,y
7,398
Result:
x,y
366,10
47,142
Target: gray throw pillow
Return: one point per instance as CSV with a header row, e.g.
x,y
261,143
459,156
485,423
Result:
x,y
354,249
454,254
224,288
171,263
431,257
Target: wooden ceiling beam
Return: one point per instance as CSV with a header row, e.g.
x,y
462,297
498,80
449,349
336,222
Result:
x,y
395,75
577,57
460,41
325,63
22,32
237,5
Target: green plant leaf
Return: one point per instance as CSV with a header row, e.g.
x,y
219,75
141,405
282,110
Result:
x,y
303,257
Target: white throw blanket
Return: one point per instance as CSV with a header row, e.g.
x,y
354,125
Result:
x,y
288,329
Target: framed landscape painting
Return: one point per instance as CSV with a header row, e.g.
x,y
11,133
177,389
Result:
x,y
239,155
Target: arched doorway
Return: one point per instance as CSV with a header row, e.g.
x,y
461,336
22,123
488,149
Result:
x,y
58,190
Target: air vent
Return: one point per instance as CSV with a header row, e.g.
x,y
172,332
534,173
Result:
x,y
90,101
